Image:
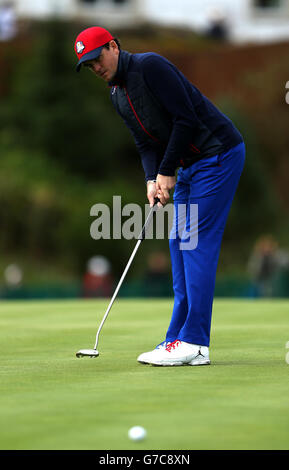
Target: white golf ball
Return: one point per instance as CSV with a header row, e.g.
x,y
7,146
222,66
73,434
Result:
x,y
137,433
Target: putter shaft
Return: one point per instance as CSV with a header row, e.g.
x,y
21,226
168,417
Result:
x,y
140,239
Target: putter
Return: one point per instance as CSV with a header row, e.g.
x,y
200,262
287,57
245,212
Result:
x,y
93,352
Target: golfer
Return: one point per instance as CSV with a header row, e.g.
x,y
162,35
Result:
x,y
175,127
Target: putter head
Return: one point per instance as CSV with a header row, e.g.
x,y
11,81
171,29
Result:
x,y
87,353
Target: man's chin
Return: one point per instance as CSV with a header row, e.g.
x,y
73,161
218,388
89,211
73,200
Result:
x,y
106,77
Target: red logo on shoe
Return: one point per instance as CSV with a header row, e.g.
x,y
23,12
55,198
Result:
x,y
173,345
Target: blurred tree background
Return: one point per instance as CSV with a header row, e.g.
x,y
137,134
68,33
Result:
x,y
64,149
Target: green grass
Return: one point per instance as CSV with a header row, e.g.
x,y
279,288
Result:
x,y
51,400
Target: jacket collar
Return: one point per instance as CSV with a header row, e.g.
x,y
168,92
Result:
x,y
121,73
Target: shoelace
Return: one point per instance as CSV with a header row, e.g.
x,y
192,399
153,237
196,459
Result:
x,y
163,344
173,345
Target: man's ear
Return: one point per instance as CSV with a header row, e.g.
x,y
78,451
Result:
x,y
113,44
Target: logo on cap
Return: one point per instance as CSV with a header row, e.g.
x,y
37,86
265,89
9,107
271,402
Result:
x,y
80,47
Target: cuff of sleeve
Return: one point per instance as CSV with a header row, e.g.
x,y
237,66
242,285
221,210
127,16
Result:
x,y
167,171
150,178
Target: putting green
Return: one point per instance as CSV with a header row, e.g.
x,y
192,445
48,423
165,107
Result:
x,y
52,400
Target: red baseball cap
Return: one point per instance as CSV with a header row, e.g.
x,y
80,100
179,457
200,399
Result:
x,y
89,43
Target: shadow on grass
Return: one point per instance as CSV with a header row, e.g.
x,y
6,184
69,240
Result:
x,y
247,363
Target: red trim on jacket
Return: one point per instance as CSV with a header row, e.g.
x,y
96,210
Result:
x,y
138,119
193,147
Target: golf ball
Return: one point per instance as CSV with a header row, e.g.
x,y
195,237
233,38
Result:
x,y
137,433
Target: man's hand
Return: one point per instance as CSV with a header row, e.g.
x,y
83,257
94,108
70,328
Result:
x,y
163,186
151,192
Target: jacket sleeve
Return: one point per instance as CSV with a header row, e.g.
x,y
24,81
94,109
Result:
x,y
149,158
166,84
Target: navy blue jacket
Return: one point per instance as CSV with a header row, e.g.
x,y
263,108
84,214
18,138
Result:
x,y
172,122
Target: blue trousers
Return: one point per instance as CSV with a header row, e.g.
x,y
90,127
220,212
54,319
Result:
x,y
211,184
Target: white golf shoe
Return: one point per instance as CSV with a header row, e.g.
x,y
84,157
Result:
x,y
148,357
179,353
